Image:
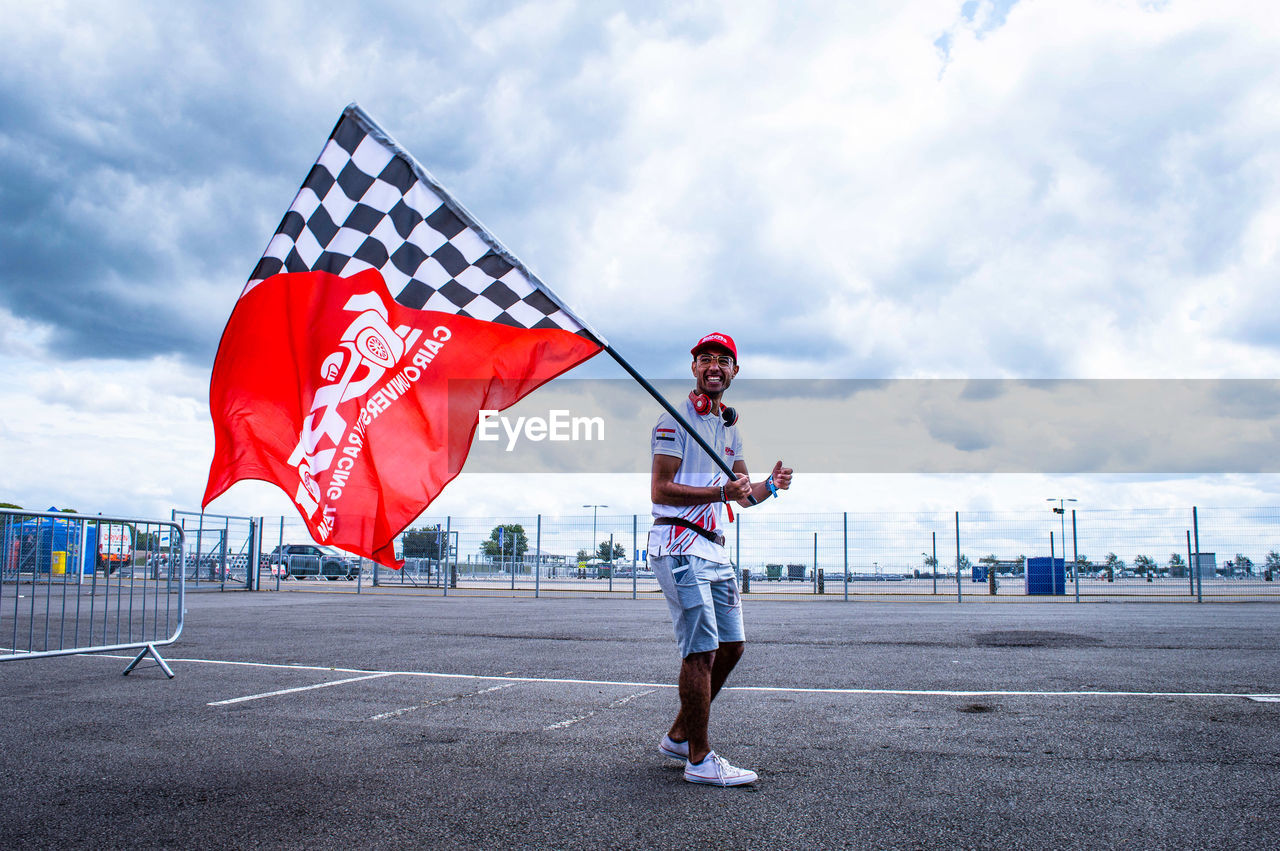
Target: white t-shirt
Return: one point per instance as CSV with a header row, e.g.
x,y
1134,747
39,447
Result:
x,y
696,470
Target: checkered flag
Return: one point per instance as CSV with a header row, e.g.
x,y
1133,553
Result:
x,y
358,404
367,204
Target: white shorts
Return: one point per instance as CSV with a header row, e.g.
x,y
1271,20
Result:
x,y
706,608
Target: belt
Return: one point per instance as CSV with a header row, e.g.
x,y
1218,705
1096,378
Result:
x,y
714,537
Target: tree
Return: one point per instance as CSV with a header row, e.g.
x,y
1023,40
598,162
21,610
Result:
x,y
1142,564
583,555
427,542
1177,567
1113,563
964,563
9,505
993,563
1273,560
514,543
602,552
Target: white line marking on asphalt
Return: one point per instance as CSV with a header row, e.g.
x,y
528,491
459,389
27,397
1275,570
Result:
x,y
396,713
1267,697
569,722
295,690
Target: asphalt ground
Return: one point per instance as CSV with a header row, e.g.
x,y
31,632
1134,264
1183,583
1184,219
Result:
x,y
324,720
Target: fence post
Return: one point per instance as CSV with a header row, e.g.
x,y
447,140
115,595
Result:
x,y
1052,555
280,552
610,562
1191,564
743,571
1075,555
816,584
959,589
255,529
737,548
199,544
846,556
635,551
222,567
1195,524
448,565
537,562
934,566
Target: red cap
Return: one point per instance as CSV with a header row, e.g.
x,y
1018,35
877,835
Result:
x,y
715,338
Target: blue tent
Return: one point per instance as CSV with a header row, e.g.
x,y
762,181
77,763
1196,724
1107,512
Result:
x,y
31,543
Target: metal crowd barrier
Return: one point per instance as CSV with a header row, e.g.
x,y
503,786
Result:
x,y
73,583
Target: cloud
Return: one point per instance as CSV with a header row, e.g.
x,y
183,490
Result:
x,y
817,181
988,189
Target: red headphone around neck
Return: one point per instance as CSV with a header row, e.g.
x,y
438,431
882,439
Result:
x,y
702,405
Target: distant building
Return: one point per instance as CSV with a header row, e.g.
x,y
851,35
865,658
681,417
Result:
x,y
1208,564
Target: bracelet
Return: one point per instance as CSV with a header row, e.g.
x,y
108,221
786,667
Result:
x,y
722,499
773,489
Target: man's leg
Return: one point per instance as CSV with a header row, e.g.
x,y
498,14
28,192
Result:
x,y
726,658
696,692
697,681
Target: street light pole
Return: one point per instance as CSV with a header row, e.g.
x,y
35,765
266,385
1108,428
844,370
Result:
x,y
595,547
1061,511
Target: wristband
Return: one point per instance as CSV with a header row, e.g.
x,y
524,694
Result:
x,y
773,489
722,499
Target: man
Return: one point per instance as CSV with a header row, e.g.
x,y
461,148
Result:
x,y
688,557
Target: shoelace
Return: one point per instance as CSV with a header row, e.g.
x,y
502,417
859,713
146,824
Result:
x,y
723,768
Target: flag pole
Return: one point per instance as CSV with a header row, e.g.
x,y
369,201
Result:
x,y
653,391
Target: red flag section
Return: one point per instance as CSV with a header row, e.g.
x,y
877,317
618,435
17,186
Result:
x,y
359,408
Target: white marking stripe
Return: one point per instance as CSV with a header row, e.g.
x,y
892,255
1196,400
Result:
x,y
1268,697
560,725
565,723
396,713
295,690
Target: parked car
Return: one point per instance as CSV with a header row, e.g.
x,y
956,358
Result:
x,y
300,560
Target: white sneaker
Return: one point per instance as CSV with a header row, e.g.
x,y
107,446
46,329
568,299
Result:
x,y
716,771
676,750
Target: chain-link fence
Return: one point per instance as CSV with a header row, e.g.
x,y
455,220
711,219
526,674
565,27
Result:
x,y
958,555
220,550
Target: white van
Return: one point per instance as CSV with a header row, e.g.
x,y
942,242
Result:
x,y
115,545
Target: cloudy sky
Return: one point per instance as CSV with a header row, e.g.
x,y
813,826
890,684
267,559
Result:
x,y
931,188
